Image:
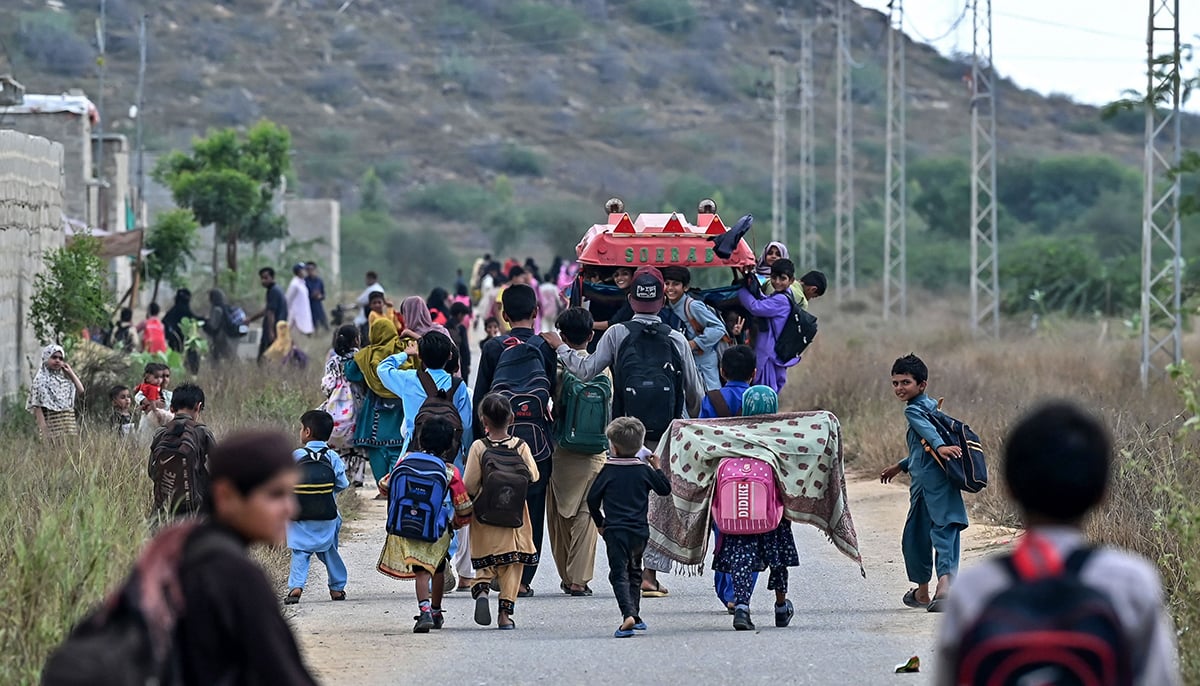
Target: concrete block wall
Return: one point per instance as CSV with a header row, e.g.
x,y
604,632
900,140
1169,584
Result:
x,y
74,132
31,207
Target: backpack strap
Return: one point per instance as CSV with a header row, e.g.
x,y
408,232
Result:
x,y
1077,559
687,312
718,402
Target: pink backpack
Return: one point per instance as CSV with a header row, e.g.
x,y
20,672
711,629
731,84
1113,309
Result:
x,y
746,500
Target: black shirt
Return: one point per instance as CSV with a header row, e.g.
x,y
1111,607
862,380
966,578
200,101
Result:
x,y
276,304
620,496
489,355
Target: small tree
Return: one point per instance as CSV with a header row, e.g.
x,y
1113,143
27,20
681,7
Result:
x,y
171,240
71,294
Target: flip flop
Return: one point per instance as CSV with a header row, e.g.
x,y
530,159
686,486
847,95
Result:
x,y
622,633
527,593
507,627
293,596
580,594
935,605
640,625
337,595
565,587
659,591
910,600
483,612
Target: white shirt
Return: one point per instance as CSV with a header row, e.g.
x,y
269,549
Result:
x,y
299,307
363,299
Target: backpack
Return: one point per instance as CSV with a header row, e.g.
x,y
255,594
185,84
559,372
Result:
x,y
178,466
797,332
521,378
154,337
417,498
438,404
130,638
504,483
584,410
235,321
969,472
746,499
314,490
648,378
1046,628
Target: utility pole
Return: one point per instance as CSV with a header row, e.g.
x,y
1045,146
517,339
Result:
x,y
895,277
779,158
807,255
102,63
141,92
985,276
844,175
1161,287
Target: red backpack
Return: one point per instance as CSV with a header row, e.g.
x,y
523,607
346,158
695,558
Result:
x,y
154,338
746,499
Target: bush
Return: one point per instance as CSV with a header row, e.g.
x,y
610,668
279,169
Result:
x,y
451,200
334,86
543,89
71,294
49,39
380,60
561,221
510,159
231,107
544,26
666,16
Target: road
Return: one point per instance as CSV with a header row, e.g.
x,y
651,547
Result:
x,y
847,630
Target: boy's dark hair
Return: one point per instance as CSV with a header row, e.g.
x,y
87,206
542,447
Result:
x,y
154,309
345,339
436,437
310,263
459,310
372,275
913,366
575,325
489,321
153,368
783,267
126,314
515,272
1056,461
268,271
116,390
435,349
815,278
739,363
188,396
681,274
495,409
376,295
319,423
520,302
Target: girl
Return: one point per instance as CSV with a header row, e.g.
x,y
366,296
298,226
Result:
x,y
52,395
742,556
283,351
222,347
498,552
379,423
417,319
341,402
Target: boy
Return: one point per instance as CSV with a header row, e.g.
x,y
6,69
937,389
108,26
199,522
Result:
x,y
1057,468
154,335
122,417
459,312
491,329
737,366
151,386
123,337
316,295
811,286
274,310
179,456
936,514
618,501
572,536
308,537
701,326
435,350
773,311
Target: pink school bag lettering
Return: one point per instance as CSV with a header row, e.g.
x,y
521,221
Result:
x,y
745,499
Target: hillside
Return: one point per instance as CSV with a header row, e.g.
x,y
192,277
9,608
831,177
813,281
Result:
x,y
571,101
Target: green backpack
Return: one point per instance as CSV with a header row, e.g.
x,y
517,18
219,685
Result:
x,y
585,409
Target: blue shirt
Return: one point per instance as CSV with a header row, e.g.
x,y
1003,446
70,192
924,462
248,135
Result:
x,y
407,385
317,536
929,481
732,392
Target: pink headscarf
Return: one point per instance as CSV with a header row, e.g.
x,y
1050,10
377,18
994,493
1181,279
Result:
x,y
417,318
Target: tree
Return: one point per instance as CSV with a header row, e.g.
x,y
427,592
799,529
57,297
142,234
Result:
x,y
170,241
230,182
71,294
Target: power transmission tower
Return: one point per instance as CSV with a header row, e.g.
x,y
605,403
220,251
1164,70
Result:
x,y
808,249
985,277
779,158
895,277
1161,234
844,175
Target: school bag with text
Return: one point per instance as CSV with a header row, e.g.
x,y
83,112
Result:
x,y
178,466
504,483
583,411
969,472
235,321
417,491
521,378
438,404
1048,627
314,488
745,498
648,378
797,333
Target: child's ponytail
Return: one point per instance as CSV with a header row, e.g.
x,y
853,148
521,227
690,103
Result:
x,y
345,340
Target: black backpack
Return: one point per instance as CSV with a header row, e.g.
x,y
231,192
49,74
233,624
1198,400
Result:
x,y
521,378
797,333
126,641
438,403
504,483
969,472
179,466
1045,629
648,378
314,490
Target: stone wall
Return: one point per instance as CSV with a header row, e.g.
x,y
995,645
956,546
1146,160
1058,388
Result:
x,y
74,132
31,207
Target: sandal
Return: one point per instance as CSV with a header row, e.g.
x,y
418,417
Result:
x,y
507,627
526,592
659,591
910,600
936,605
337,595
584,592
293,596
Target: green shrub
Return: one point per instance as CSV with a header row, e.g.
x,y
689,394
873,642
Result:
x,y
452,200
666,16
541,25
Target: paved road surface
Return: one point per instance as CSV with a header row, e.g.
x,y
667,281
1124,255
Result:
x,y
847,630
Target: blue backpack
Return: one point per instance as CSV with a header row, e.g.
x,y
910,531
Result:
x,y
417,498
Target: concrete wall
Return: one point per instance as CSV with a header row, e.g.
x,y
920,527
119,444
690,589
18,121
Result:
x,y
319,220
74,132
111,203
31,206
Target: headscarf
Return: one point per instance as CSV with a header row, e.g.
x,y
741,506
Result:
x,y
437,300
417,318
384,342
282,345
51,390
216,297
759,400
763,268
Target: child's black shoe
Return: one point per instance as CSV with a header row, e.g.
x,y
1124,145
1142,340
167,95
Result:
x,y
424,622
439,619
741,619
784,613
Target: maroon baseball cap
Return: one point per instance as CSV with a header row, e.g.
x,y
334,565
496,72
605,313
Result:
x,y
647,290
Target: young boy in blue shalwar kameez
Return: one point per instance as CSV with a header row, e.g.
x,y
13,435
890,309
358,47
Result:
x,y
306,538
936,514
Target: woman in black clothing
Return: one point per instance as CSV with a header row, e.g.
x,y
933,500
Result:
x,y
182,309
216,326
